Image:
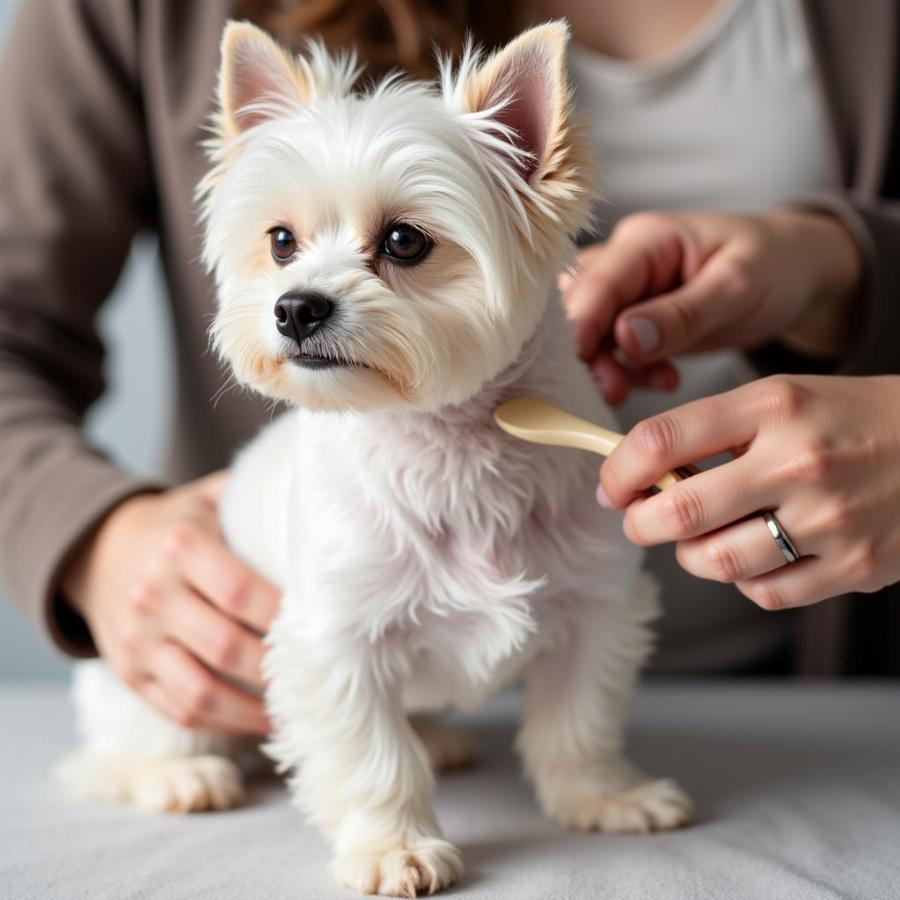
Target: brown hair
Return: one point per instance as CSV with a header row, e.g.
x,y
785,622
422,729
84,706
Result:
x,y
386,34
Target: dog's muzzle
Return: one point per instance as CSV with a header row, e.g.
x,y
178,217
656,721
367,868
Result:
x,y
300,314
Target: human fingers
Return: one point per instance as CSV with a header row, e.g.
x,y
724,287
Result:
x,y
160,699
716,300
210,487
220,577
616,379
660,375
642,258
202,701
681,436
801,583
738,552
611,377
213,637
704,503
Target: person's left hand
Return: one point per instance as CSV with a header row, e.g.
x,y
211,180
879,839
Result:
x,y
666,284
823,453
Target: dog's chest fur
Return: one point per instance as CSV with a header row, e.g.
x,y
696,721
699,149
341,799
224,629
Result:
x,y
446,542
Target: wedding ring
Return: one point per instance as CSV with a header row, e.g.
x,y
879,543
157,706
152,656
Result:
x,y
780,535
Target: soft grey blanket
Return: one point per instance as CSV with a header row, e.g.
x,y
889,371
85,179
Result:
x,y
797,787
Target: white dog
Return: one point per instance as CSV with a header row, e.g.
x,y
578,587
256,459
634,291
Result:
x,y
385,263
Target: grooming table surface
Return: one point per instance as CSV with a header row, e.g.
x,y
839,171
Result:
x,y
797,789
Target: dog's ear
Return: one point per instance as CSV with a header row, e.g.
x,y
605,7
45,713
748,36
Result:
x,y
527,82
258,80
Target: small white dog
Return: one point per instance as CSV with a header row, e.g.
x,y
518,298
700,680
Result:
x,y
385,262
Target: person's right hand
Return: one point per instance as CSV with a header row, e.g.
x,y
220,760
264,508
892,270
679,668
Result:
x,y
172,610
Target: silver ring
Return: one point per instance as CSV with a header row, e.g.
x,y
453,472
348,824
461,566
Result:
x,y
785,545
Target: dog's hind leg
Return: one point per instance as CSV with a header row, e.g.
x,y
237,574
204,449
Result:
x,y
132,754
577,696
448,747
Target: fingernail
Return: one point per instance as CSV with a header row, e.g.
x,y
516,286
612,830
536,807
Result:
x,y
645,332
602,499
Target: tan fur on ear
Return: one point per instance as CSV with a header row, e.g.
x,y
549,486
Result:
x,y
255,70
564,173
544,46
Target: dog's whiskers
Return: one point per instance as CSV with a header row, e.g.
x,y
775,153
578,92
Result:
x,y
229,384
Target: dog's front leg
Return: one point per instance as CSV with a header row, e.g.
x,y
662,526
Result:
x,y
577,696
359,771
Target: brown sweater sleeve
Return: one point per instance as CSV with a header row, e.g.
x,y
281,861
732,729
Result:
x,y
74,188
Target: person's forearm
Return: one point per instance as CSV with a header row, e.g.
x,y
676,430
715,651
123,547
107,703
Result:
x,y
827,248
871,347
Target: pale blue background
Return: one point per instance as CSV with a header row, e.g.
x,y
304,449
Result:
x,y
130,421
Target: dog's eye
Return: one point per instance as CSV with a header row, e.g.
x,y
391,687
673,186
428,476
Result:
x,y
284,244
404,243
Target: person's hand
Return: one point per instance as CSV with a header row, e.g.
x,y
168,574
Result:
x,y
667,284
173,610
822,453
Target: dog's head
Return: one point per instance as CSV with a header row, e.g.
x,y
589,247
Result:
x,y
391,246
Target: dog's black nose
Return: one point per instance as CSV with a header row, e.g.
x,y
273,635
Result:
x,y
299,314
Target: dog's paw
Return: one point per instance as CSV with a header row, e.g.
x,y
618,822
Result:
x,y
653,806
614,803
170,784
187,784
448,747
413,868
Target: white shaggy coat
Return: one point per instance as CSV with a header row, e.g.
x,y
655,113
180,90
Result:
x,y
426,558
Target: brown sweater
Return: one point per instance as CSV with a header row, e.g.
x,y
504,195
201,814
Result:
x,y
102,106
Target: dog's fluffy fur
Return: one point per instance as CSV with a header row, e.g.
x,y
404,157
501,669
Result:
x,y
426,558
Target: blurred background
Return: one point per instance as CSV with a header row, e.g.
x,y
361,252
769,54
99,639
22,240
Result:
x,y
131,420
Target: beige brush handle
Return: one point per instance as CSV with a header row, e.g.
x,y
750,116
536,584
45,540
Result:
x,y
540,422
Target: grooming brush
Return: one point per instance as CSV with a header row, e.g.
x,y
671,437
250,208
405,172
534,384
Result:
x,y
540,422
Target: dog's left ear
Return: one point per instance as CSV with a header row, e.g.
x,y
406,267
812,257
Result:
x,y
527,81
258,79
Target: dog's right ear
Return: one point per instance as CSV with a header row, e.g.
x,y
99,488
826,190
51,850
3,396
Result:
x,y
258,80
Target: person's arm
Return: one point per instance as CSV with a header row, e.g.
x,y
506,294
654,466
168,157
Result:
x,y
100,561
75,187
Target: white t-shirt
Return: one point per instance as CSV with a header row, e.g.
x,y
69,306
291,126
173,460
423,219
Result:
x,y
732,119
